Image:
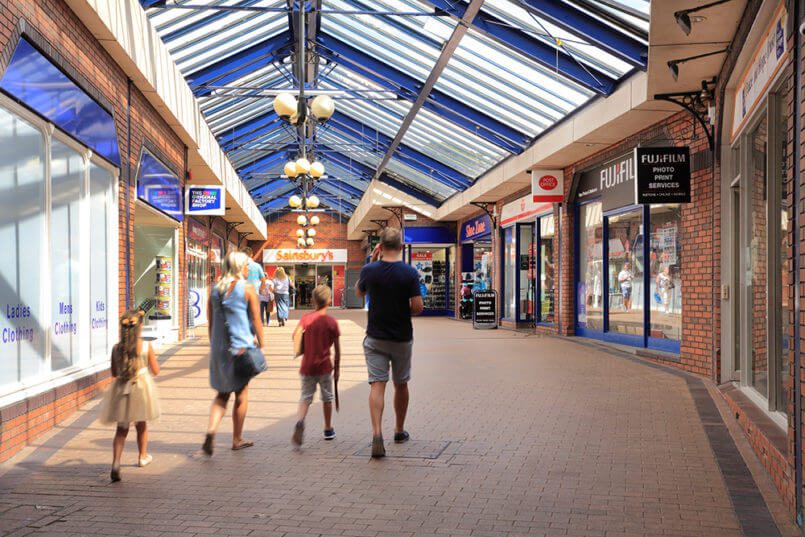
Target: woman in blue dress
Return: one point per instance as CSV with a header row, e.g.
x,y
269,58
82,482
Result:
x,y
282,294
241,303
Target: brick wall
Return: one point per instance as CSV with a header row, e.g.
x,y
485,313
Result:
x,y
54,28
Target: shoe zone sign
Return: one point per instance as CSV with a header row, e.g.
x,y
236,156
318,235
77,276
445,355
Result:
x,y
207,200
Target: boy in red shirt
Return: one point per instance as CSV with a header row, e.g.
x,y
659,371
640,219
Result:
x,y
320,333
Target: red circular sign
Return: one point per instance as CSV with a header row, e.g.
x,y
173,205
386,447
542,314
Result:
x,y
548,182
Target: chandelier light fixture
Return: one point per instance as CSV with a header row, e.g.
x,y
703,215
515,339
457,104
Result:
x,y
305,117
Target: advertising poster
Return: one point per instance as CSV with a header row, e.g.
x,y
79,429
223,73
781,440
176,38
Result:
x,y
423,263
164,285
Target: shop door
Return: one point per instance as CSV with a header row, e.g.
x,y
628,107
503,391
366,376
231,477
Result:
x,y
197,289
625,276
352,300
305,283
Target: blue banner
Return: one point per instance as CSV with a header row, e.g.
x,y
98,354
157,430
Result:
x,y
205,200
159,187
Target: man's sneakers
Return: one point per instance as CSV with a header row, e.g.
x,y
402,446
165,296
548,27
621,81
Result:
x,y
298,433
329,434
378,449
401,437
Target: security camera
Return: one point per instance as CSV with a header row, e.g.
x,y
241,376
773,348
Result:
x,y
802,29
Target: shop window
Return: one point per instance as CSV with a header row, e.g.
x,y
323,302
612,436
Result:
x,y
758,260
625,273
22,206
67,177
547,270
665,272
101,183
526,265
510,274
786,285
590,286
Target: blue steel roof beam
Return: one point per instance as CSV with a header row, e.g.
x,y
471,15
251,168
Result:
x,y
184,30
270,120
368,172
236,142
330,191
237,65
574,20
277,188
450,108
345,188
538,51
423,162
260,163
267,183
276,203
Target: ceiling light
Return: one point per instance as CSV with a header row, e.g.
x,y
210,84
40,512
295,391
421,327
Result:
x,y
301,220
310,241
314,220
285,105
684,20
673,65
295,201
290,169
312,202
311,232
322,107
316,170
300,233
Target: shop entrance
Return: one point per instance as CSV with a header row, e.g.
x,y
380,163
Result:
x,y
304,283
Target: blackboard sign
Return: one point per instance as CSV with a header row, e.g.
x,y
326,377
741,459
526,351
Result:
x,y
663,175
485,309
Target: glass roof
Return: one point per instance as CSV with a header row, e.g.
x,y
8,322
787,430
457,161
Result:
x,y
521,67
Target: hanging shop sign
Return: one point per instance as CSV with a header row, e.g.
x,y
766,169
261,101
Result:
x,y
476,228
429,235
547,186
207,200
613,182
769,58
522,209
409,217
159,187
485,309
663,175
288,255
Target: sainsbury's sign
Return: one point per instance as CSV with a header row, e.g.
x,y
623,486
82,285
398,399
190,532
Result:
x,y
290,255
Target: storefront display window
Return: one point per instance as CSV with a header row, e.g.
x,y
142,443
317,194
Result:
x,y
665,279
431,264
625,273
758,259
547,271
482,265
198,240
67,215
526,265
590,286
510,272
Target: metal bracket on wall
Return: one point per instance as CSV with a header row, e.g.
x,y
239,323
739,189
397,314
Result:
x,y
397,212
230,226
382,224
242,236
695,102
484,206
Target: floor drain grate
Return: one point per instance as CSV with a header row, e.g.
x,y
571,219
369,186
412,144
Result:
x,y
413,449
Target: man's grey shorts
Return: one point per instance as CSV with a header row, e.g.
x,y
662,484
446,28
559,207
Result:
x,y
381,353
309,384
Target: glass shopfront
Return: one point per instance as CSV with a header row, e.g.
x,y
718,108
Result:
x,y
308,268
198,254
431,251
477,262
618,297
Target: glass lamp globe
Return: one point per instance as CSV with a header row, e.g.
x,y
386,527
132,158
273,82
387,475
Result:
x,y
312,202
300,233
300,242
285,105
310,241
316,170
311,232
301,220
295,201
290,169
302,166
323,107
314,220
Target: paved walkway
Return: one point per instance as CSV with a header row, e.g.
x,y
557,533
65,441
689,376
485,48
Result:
x,y
511,435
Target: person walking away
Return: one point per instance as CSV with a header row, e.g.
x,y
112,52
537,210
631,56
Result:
x,y
394,296
233,310
133,396
267,303
317,369
625,278
256,275
282,295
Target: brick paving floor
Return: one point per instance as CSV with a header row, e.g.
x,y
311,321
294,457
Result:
x,y
511,435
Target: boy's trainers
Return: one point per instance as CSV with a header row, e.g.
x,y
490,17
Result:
x,y
298,433
329,434
401,437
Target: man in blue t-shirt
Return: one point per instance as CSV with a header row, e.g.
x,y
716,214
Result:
x,y
394,296
256,276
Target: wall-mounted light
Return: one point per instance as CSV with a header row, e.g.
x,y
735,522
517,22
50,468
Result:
x,y
673,65
684,19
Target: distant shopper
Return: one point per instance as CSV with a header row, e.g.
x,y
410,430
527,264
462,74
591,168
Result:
x,y
320,333
625,278
233,310
256,276
282,294
394,296
133,396
665,287
267,303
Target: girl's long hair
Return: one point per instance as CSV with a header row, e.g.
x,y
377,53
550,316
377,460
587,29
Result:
x,y
280,274
131,324
231,270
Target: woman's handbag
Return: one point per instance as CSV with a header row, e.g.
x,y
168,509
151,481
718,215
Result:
x,y
249,363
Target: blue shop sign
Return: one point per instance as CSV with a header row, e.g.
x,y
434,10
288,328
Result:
x,y
159,187
205,200
429,235
477,228
33,80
